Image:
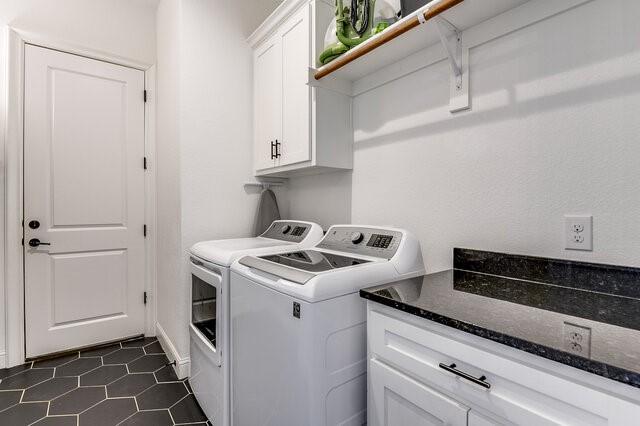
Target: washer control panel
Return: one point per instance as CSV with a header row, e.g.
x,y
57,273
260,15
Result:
x,y
375,242
287,231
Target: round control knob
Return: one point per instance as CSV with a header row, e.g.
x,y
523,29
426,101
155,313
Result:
x,y
285,229
357,237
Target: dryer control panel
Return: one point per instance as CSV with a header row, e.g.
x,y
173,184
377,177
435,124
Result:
x,y
287,230
375,242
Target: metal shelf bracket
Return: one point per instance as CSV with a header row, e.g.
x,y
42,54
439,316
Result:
x,y
451,40
458,55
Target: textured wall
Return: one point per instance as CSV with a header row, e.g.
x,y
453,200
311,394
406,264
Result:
x,y
553,130
205,142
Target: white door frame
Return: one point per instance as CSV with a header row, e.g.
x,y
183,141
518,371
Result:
x,y
13,173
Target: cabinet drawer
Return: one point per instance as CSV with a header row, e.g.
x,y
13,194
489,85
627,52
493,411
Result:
x,y
395,399
519,393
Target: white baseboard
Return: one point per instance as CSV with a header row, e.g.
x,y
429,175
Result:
x,y
3,359
182,364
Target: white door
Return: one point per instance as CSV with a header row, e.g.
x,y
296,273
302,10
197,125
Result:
x,y
295,43
398,400
268,103
84,185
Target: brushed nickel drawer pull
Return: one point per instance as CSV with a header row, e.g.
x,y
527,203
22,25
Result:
x,y
481,381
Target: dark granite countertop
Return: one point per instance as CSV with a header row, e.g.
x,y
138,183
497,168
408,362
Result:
x,y
528,309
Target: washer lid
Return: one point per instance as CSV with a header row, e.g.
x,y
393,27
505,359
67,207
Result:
x,y
313,260
300,266
225,252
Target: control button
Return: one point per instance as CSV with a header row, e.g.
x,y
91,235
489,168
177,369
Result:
x,y
357,237
285,229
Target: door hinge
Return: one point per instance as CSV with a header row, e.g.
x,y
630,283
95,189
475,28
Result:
x,y
144,162
144,95
144,230
145,297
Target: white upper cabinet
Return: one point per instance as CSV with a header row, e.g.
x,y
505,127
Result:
x,y
298,129
296,94
267,94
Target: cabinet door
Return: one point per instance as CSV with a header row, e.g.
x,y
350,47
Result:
x,y
397,400
295,40
268,101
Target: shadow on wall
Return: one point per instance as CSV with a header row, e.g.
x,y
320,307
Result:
x,y
324,199
513,108
550,133
518,64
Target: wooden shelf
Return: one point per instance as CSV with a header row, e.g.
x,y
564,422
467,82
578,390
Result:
x,y
408,36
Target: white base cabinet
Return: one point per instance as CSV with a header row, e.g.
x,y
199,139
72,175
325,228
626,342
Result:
x,y
298,129
400,400
408,386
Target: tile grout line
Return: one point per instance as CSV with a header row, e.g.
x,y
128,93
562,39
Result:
x,y
19,372
180,400
124,420
89,408
171,417
143,351
51,400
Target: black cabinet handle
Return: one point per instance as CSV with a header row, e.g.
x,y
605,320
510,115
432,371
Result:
x,y
278,155
480,381
34,242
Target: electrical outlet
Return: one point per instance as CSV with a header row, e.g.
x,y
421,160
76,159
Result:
x,y
578,230
577,227
577,339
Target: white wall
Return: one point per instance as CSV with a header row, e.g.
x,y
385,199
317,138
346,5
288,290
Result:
x,y
324,199
204,142
124,28
553,130
167,168
3,111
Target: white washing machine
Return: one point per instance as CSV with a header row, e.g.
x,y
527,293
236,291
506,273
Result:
x,y
298,326
209,327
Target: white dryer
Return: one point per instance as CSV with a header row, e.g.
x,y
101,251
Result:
x,y
209,327
298,326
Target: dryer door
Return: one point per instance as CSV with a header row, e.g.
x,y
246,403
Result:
x,y
207,315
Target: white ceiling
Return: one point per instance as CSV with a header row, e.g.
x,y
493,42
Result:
x,y
254,12
13,9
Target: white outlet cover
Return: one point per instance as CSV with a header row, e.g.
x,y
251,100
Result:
x,y
574,238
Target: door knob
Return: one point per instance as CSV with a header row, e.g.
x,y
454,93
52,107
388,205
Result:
x,y
34,224
34,242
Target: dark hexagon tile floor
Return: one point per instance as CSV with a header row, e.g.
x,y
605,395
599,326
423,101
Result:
x,y
123,356
126,384
104,375
148,363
